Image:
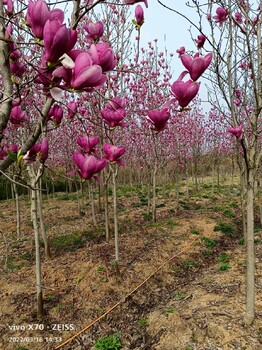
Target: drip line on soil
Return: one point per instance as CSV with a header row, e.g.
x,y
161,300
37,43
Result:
x,y
127,296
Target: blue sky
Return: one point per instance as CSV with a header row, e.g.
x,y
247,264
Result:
x,y
171,30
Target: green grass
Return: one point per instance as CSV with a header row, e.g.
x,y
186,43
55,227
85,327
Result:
x,y
143,322
195,231
223,258
180,295
225,228
169,310
228,213
111,342
68,242
209,242
224,267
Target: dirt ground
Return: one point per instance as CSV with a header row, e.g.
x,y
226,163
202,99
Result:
x,y
193,297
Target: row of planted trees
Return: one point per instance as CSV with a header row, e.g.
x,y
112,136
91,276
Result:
x,y
82,99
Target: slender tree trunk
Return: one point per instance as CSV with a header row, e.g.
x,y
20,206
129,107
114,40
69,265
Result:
x,y
250,272
106,212
92,202
154,193
218,173
18,214
40,306
41,220
114,174
243,203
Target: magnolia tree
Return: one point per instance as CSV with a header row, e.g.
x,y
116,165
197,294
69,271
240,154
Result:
x,y
233,30
49,69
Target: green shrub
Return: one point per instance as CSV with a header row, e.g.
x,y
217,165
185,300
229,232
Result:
x,y
209,242
195,231
69,242
224,267
111,342
225,228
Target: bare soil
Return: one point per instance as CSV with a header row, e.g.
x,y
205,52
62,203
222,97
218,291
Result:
x,y
195,301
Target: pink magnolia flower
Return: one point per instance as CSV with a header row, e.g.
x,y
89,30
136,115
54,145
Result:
x,y
114,112
113,153
18,116
88,165
13,148
71,109
56,114
36,16
181,51
86,74
132,2
17,68
237,131
88,143
44,149
196,65
200,41
139,15
103,56
58,40
3,153
238,17
184,91
32,153
221,15
94,30
158,118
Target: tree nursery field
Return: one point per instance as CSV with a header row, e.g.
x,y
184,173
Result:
x,y
130,174
191,262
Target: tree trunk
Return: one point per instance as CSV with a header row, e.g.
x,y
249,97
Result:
x,y
106,212
18,214
40,307
154,193
114,174
250,271
92,202
41,220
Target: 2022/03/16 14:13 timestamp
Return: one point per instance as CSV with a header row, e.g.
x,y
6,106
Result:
x,y
49,339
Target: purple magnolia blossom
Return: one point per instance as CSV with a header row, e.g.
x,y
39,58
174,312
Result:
x,y
94,30
86,74
71,109
103,56
17,68
58,40
114,112
13,148
44,149
181,51
88,165
237,131
56,114
139,15
184,91
196,65
200,41
132,2
113,153
221,15
32,153
37,15
88,144
158,118
18,116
